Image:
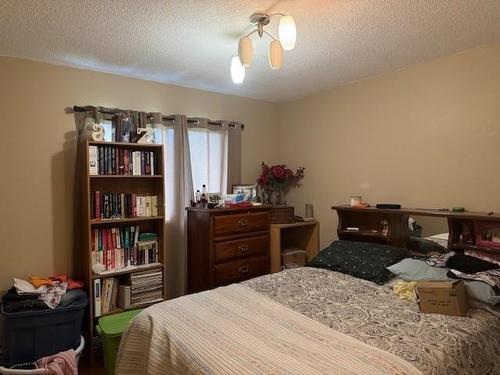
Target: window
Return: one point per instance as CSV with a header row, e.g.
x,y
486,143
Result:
x,y
208,149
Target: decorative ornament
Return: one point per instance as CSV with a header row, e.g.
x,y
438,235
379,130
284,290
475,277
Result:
x,y
147,137
96,132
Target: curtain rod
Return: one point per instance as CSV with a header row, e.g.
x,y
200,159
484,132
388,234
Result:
x,y
118,111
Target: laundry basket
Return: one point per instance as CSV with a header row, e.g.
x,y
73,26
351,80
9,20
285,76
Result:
x,y
17,369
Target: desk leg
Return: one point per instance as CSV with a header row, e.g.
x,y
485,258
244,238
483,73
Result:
x,y
275,250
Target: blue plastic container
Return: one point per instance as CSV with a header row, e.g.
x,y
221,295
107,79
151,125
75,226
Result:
x,y
30,335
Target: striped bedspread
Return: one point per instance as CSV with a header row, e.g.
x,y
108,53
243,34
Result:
x,y
234,330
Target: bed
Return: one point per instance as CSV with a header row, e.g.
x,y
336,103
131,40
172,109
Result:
x,y
306,321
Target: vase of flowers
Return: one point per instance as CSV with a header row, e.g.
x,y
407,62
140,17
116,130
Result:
x,y
275,182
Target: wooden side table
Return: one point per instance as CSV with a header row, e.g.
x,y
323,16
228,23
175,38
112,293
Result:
x,y
303,235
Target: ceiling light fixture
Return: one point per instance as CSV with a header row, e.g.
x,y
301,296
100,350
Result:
x,y
287,36
237,70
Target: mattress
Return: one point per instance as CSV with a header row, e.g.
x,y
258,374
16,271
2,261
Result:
x,y
306,321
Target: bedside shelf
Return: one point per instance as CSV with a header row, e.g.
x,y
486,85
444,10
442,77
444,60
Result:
x,y
364,233
303,235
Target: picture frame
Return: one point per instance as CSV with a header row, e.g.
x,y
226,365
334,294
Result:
x,y
215,198
488,234
250,191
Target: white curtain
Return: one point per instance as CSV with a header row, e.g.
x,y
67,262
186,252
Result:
x,y
179,192
209,150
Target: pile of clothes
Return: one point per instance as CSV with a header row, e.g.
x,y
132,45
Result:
x,y
42,293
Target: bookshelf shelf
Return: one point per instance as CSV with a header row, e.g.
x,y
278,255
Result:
x,y
113,242
119,310
96,222
126,176
127,145
126,271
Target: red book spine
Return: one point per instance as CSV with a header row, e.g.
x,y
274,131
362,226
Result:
x,y
109,243
113,238
134,205
97,203
113,259
109,260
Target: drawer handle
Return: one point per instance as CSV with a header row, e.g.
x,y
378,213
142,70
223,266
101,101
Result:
x,y
243,269
243,222
243,248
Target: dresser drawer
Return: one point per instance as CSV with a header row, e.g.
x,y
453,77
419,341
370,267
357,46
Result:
x,y
241,248
240,270
240,223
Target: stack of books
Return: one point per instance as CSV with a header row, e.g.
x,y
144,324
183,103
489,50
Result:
x,y
105,295
146,287
116,248
147,247
122,205
112,160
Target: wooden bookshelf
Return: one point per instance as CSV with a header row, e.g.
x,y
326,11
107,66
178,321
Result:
x,y
116,183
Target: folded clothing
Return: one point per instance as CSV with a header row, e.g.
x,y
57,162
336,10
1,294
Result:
x,y
25,287
63,363
14,302
37,281
489,257
468,264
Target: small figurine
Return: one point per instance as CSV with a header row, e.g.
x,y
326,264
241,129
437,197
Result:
x,y
147,137
96,132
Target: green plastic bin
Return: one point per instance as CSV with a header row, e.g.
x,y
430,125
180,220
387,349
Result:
x,y
111,328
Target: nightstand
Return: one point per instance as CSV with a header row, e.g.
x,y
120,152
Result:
x,y
303,235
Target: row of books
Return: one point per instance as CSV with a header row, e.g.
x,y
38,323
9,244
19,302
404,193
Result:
x,y
141,288
116,248
105,295
146,287
112,160
122,205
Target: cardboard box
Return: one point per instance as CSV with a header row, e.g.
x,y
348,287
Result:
x,y
443,297
292,257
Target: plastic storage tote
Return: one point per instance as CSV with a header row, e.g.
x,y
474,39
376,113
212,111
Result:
x,y
30,335
111,328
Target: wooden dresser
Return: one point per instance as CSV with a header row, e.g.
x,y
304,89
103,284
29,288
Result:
x,y
226,245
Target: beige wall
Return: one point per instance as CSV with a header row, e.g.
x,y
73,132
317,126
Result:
x,y
37,147
426,136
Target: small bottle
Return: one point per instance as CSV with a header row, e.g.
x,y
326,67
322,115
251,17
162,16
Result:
x,y
197,197
204,198
385,227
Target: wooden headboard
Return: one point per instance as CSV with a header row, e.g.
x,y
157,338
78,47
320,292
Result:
x,y
390,226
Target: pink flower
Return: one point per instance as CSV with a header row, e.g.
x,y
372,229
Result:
x,y
278,171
